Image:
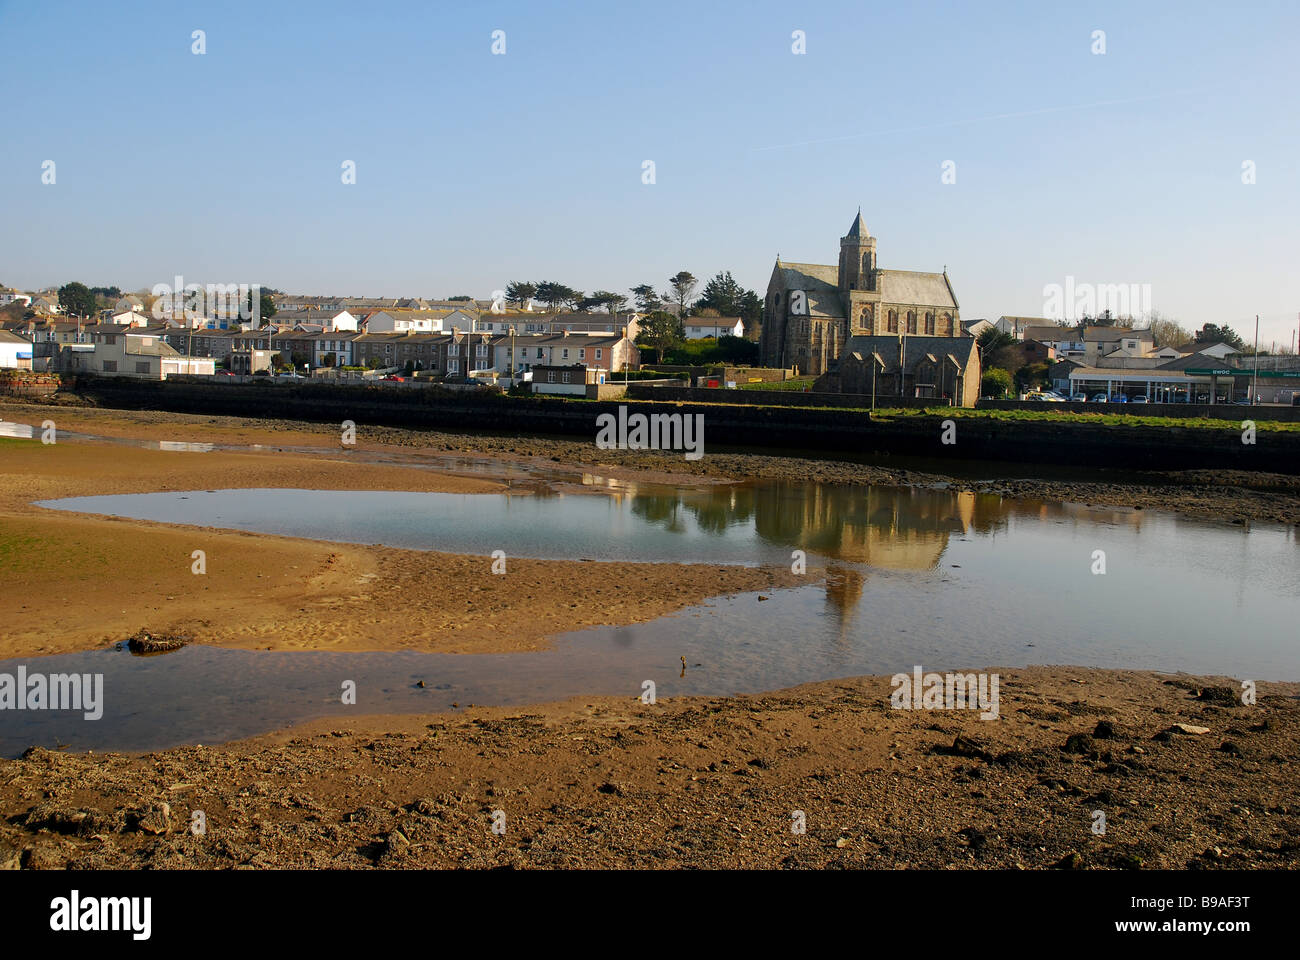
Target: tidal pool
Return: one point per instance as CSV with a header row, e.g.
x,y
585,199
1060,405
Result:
x,y
935,577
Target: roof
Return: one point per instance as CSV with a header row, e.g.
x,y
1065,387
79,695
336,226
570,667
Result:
x,y
858,228
818,281
913,287
1051,333
7,337
1101,334
915,349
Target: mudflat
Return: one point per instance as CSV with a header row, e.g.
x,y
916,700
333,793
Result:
x,y
1180,770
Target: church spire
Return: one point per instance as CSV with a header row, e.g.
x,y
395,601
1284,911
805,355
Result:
x,y
859,228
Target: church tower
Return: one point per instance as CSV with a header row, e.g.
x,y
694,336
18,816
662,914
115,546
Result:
x,y
857,258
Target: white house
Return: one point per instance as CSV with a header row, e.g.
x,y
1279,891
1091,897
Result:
x,y
13,296
382,321
15,351
699,328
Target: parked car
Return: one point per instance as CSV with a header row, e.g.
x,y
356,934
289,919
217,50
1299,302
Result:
x,y
394,378
1048,397
1119,398
1140,398
1099,398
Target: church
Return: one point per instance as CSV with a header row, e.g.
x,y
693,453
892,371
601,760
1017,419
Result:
x,y
812,309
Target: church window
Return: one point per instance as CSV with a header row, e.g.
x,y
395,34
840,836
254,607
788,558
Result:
x,y
929,324
893,321
911,321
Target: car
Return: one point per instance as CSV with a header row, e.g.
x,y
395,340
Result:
x,y
1140,399
1119,398
1099,398
1079,398
1043,397
224,373
394,378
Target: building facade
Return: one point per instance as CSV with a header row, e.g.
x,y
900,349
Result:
x,y
812,309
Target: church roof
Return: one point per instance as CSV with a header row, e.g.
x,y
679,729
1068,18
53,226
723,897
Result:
x,y
819,281
859,227
913,287
916,349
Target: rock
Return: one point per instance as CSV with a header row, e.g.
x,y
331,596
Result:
x,y
1187,728
1104,730
1078,743
1068,862
155,818
1224,695
145,643
11,858
1229,747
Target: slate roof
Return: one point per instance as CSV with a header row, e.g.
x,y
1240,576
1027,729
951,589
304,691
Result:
x,y
915,349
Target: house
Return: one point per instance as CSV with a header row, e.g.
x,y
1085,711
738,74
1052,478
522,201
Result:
x,y
1220,351
15,352
130,351
382,321
128,304
46,305
1100,342
571,380
1019,326
974,328
910,367
608,352
702,328
13,296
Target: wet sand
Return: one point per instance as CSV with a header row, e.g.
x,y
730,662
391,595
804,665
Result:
x,y
711,783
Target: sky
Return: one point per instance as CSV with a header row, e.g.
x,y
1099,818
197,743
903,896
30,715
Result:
x,y
474,168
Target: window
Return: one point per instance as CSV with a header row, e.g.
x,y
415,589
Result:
x,y
929,324
110,366
481,350
566,376
893,322
142,366
453,350
564,353
481,365
453,366
598,352
550,376
911,321
582,353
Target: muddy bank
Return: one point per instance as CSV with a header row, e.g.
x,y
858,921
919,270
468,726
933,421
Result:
x,y
707,783
1233,496
78,581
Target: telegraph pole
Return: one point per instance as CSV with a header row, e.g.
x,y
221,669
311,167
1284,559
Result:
x,y
1255,383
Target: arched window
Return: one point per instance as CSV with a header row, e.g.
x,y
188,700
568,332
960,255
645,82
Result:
x,y
929,324
911,321
865,318
893,322
947,325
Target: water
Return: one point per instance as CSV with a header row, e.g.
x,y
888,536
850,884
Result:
x,y
935,577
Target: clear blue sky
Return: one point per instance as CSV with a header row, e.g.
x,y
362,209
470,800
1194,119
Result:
x,y
474,169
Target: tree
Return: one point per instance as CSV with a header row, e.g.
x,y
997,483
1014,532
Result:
x,y
647,300
77,300
14,311
722,294
992,340
520,292
1166,331
659,331
996,382
1031,375
460,298
1213,333
265,305
751,312
682,284
611,302
554,294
